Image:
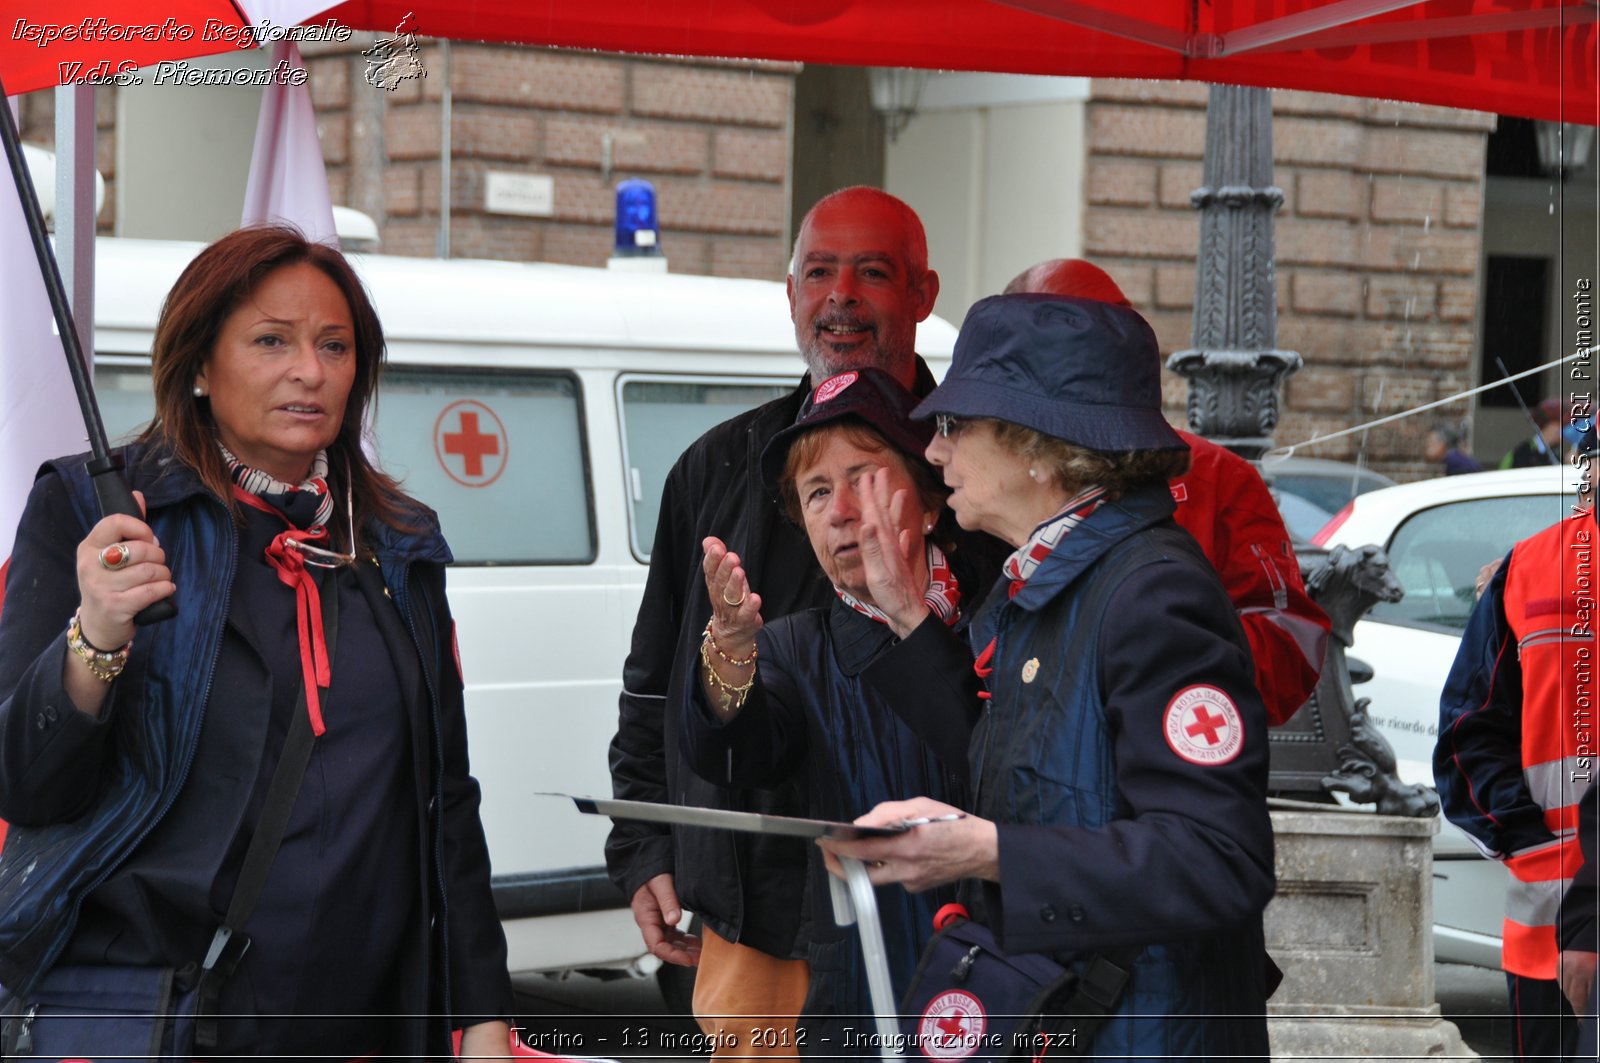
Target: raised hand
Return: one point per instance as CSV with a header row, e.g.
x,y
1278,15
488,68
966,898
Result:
x,y
893,553
735,608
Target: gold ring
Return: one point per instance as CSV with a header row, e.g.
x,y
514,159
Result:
x,y
880,863
115,556
729,601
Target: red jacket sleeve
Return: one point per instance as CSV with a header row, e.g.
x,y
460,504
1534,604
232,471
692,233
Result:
x,y
1225,505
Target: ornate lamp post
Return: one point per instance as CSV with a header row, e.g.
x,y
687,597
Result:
x,y
1235,366
1234,371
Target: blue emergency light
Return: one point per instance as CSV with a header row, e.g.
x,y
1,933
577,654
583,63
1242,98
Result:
x,y
637,232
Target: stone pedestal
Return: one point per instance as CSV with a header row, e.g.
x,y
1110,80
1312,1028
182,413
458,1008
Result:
x,y
1351,927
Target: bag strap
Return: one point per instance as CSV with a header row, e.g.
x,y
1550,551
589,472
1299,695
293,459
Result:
x,y
230,943
1095,993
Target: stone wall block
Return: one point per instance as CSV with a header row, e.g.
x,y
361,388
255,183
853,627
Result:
x,y
1315,142
1178,182
1327,193
1402,297
1121,183
750,154
1321,389
1115,129
1398,198
1321,292
1435,152
539,78
738,97
1162,234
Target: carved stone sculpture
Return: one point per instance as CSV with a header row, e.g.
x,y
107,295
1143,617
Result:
x,y
1331,743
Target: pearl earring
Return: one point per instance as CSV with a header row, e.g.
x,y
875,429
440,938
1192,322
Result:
x,y
199,392
927,529
1033,474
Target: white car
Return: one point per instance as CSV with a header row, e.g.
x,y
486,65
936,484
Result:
x,y
1311,490
1438,534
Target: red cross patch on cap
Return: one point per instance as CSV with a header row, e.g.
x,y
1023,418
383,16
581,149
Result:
x,y
832,386
1203,726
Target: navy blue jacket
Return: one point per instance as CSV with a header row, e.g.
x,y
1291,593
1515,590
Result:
x,y
1123,756
83,794
813,713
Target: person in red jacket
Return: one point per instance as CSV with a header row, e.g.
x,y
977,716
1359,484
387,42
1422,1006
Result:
x,y
1225,505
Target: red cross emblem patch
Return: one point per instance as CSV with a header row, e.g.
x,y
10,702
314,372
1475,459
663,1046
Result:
x,y
952,1026
1203,726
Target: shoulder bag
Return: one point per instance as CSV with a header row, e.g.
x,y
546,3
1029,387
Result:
x,y
969,1002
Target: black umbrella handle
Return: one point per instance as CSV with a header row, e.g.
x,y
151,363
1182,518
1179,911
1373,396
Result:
x,y
112,491
105,471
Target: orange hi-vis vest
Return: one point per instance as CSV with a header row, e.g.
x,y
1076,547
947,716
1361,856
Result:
x,y
1549,604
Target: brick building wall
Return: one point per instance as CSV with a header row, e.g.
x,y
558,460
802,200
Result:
x,y
713,136
1378,250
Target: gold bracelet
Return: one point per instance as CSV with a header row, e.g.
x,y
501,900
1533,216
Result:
x,y
709,637
104,665
731,697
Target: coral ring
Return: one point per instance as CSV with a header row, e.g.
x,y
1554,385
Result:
x,y
115,556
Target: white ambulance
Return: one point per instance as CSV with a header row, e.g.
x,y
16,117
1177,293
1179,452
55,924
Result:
x,y
537,408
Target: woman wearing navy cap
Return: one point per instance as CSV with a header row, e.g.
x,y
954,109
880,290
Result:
x,y
1120,766
824,691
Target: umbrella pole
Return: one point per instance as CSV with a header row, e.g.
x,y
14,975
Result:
x,y
105,468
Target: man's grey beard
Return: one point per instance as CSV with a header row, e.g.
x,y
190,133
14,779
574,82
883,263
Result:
x,y
823,362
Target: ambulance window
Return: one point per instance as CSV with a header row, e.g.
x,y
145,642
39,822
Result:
x,y
126,399
660,418
501,457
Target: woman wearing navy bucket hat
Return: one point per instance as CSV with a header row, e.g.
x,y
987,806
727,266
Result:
x,y
1120,765
834,694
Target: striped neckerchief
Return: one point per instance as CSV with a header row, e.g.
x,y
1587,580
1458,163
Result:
x,y
255,482
1048,535
943,595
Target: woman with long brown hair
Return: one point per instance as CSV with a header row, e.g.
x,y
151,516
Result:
x,y
307,693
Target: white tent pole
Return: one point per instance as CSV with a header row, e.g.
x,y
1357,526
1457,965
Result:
x,y
74,211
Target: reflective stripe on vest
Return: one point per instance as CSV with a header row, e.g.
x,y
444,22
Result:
x,y
1539,877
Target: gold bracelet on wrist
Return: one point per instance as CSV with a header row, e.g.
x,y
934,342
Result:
x,y
104,665
755,651
731,697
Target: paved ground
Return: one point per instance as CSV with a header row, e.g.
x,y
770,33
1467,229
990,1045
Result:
x,y
626,1018
1475,1000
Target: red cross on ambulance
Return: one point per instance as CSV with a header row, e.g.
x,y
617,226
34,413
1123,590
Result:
x,y
470,442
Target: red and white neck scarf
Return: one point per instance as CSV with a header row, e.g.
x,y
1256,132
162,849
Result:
x,y
284,555
1048,535
943,595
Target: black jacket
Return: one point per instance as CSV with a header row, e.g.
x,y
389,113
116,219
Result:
x,y
747,888
136,810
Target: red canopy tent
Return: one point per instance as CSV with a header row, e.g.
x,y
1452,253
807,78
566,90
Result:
x,y
1533,58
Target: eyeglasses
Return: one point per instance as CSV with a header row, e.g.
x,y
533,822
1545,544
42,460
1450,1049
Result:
x,y
319,557
946,424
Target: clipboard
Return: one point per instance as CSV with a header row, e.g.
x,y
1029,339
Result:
x,y
854,902
747,822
